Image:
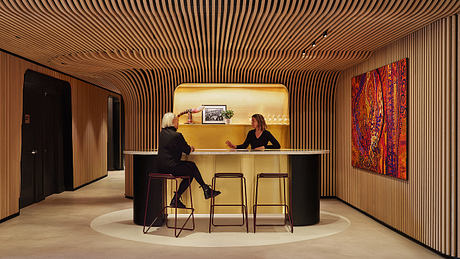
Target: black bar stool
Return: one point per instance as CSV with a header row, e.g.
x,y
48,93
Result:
x,y
287,211
244,200
175,178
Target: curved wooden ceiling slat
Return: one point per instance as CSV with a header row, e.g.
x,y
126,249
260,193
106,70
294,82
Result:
x,y
89,38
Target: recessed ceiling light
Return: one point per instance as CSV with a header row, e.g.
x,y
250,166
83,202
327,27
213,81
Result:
x,y
313,44
325,34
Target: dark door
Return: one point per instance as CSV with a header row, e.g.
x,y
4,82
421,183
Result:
x,y
31,162
46,160
114,134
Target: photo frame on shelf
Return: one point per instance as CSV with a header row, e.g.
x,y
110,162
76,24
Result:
x,y
212,114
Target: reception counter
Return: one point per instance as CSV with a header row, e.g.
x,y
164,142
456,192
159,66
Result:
x,y
303,167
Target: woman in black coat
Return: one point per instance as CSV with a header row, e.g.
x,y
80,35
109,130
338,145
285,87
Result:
x,y
171,146
259,137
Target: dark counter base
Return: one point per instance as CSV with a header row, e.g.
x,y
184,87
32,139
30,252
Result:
x,y
142,166
306,191
305,173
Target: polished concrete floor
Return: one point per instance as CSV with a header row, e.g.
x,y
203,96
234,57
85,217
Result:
x,y
59,227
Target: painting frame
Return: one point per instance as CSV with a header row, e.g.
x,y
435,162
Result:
x,y
211,114
380,120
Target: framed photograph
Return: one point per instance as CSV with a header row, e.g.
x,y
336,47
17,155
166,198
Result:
x,y
212,114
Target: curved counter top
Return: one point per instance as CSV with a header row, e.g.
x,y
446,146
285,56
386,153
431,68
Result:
x,y
240,152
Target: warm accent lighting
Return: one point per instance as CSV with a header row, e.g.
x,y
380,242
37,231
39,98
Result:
x,y
313,44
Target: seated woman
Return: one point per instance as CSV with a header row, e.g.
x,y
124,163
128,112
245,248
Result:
x,y
170,148
259,137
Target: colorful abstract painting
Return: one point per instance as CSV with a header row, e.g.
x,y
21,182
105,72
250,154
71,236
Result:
x,y
379,120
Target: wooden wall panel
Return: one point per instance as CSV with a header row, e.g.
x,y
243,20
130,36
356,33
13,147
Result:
x,y
89,129
425,206
89,132
311,109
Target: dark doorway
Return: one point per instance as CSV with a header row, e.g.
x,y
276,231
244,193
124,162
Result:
x,y
46,153
114,141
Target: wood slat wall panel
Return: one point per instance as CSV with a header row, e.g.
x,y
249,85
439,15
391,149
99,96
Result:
x,y
311,110
89,132
457,164
89,129
425,206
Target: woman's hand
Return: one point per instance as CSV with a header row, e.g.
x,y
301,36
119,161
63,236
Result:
x,y
230,145
260,148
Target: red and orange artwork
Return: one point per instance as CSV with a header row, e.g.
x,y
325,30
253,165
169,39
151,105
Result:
x,y
379,120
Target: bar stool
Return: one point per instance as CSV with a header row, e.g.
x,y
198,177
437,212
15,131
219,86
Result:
x,y
287,211
175,178
244,200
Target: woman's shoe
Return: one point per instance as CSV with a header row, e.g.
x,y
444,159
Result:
x,y
179,204
208,192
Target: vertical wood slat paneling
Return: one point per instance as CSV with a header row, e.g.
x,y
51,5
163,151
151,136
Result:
x,y
89,132
425,206
457,130
89,129
311,109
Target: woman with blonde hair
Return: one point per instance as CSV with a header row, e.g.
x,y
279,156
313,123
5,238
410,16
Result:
x,y
170,148
259,137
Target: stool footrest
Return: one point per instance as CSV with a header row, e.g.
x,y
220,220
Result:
x,y
239,205
272,175
281,205
228,175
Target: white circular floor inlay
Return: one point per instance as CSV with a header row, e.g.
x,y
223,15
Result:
x,y
120,224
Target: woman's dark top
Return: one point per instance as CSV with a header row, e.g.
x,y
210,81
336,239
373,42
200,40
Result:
x,y
170,148
263,140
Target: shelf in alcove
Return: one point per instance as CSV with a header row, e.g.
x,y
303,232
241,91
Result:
x,y
231,124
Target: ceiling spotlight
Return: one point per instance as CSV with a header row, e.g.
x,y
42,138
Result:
x,y
313,44
303,53
325,34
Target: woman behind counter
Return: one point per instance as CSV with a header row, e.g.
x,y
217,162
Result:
x,y
259,137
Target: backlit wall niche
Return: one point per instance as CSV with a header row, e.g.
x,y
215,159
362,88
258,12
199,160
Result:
x,y
270,100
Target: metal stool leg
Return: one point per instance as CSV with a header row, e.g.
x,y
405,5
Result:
x,y
255,203
175,210
246,205
287,208
211,206
146,206
285,204
242,199
191,203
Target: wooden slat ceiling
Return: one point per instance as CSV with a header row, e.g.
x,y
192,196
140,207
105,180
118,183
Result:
x,y
100,41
